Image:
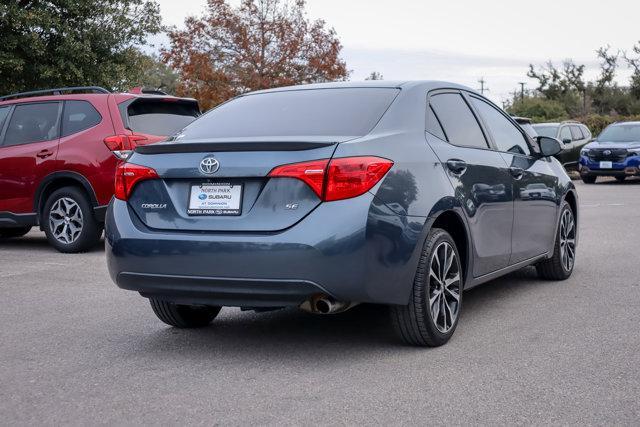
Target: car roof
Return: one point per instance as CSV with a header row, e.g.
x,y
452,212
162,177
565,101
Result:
x,y
398,84
635,123
120,96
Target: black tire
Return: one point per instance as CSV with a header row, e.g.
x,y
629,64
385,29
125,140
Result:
x,y
555,268
620,178
183,316
90,230
7,233
589,179
413,322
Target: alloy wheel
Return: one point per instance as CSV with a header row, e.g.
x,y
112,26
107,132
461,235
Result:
x,y
567,240
444,287
65,220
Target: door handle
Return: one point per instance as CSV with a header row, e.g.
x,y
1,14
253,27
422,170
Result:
x,y
457,166
516,172
44,153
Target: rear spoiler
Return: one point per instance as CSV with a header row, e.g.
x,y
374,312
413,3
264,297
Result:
x,y
198,146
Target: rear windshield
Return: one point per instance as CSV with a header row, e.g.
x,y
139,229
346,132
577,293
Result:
x,y
312,112
160,117
550,131
620,133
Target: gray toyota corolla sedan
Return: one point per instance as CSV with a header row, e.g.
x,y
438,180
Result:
x,y
330,195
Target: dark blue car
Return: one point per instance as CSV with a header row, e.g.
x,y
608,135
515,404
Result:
x,y
330,195
615,152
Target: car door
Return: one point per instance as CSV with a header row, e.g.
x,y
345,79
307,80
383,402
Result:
x,y
533,182
27,153
479,175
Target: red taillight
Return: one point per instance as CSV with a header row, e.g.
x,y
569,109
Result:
x,y
352,176
122,145
128,175
310,172
337,179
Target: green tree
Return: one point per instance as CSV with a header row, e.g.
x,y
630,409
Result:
x,y
375,75
633,62
73,42
157,75
539,109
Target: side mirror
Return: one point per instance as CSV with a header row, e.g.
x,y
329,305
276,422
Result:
x,y
566,141
549,146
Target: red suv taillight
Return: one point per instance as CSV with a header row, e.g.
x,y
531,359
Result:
x,y
128,175
337,179
122,145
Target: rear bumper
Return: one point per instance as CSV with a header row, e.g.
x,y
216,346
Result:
x,y
352,250
220,291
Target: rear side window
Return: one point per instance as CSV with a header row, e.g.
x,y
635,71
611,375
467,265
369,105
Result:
x,y
159,116
585,131
32,123
506,135
576,133
350,112
3,115
78,116
458,122
433,125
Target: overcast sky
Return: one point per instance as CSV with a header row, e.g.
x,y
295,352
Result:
x,y
464,40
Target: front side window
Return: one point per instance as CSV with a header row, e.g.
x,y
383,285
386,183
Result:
x,y
457,120
565,134
506,135
576,133
32,123
78,116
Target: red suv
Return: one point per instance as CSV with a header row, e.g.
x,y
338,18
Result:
x,y
59,149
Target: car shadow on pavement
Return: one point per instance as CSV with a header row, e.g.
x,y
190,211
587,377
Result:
x,y
38,241
286,333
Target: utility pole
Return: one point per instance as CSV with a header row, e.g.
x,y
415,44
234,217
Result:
x,y
482,89
521,90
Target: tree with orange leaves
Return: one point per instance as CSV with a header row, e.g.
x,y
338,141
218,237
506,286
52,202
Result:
x,y
260,44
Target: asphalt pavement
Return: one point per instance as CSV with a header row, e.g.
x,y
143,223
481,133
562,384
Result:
x,y
75,349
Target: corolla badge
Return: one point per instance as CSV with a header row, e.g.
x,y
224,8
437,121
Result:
x,y
209,165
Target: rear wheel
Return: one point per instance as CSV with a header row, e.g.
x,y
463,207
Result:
x,y
432,314
68,221
560,266
589,179
7,233
183,316
620,178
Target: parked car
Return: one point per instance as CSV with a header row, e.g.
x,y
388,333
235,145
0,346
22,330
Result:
x,y
328,195
574,135
526,124
59,149
615,152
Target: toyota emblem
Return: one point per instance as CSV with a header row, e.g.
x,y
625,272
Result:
x,y
209,165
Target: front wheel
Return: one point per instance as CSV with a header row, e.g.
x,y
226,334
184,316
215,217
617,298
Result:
x,y
560,265
68,221
432,314
183,316
7,233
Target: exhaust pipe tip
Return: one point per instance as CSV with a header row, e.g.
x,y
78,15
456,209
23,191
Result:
x,y
323,306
